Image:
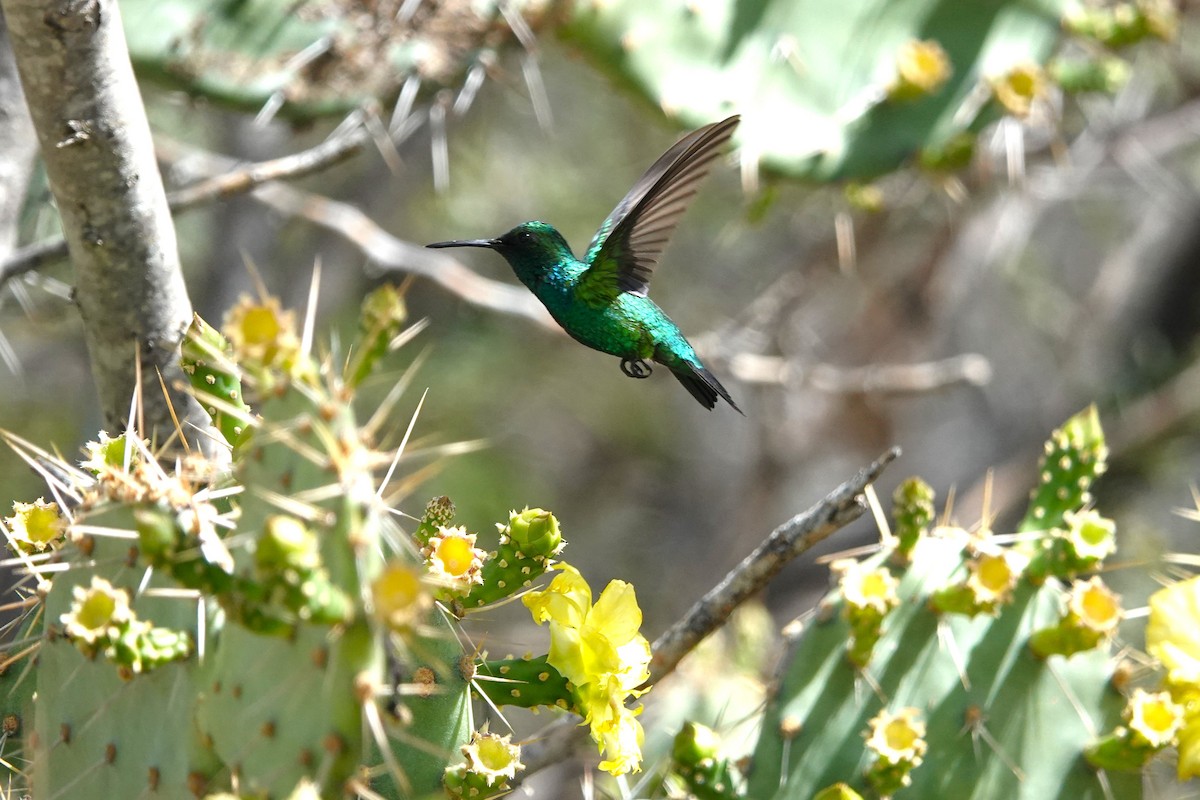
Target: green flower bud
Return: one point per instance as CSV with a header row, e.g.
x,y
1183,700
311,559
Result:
x,y
534,531
287,543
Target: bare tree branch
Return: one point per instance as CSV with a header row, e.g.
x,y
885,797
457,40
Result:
x,y
238,179
800,533
388,253
970,369
241,178
391,254
95,141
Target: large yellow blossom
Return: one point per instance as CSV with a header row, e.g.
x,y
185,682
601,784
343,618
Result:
x,y
1173,637
599,649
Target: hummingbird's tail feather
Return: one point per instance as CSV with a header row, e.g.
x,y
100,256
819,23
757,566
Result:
x,y
703,385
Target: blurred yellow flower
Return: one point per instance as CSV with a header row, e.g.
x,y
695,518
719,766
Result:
x,y
1173,637
1173,634
922,69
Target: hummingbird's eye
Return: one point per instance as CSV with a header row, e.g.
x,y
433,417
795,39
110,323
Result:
x,y
525,236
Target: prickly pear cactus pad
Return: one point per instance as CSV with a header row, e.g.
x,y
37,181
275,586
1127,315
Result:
x,y
267,626
829,90
957,672
270,619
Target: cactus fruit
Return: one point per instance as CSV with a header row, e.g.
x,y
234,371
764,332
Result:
x,y
697,760
912,509
962,672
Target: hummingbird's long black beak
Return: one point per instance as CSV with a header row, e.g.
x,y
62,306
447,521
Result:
x,y
488,243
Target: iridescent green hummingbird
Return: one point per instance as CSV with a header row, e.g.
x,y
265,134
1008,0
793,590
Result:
x,y
602,301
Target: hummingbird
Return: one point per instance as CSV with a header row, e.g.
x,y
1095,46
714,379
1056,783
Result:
x,y
602,301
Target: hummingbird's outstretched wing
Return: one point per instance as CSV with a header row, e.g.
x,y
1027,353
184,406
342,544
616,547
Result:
x,y
623,253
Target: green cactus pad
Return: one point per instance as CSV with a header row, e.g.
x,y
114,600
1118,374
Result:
x,y
434,680
383,313
1075,455
525,683
205,358
527,545
1000,722
279,710
90,719
815,82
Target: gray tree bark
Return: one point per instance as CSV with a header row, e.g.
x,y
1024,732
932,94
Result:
x,y
95,139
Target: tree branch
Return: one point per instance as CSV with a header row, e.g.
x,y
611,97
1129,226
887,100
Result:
x,y
96,144
800,533
391,254
388,253
239,179
969,369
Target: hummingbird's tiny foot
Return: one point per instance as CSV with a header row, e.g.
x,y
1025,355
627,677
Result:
x,y
635,368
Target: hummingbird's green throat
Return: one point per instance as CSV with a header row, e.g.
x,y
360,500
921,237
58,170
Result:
x,y
602,300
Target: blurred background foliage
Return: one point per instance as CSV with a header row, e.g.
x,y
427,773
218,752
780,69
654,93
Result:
x,y
1056,268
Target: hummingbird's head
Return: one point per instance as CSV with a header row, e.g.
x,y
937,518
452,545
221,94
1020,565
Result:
x,y
530,243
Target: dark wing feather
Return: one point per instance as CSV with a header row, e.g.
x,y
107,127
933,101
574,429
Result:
x,y
624,251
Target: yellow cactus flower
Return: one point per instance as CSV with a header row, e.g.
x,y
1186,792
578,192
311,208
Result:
x,y
401,598
108,452
1173,633
600,650
1091,535
1153,718
493,757
922,68
262,333
897,737
995,572
96,612
1094,606
1173,637
866,589
36,527
622,744
453,559
1019,88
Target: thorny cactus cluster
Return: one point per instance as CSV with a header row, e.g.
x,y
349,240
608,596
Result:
x,y
957,663
269,629
309,60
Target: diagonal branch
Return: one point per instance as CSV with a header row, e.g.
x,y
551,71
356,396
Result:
x,y
800,533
